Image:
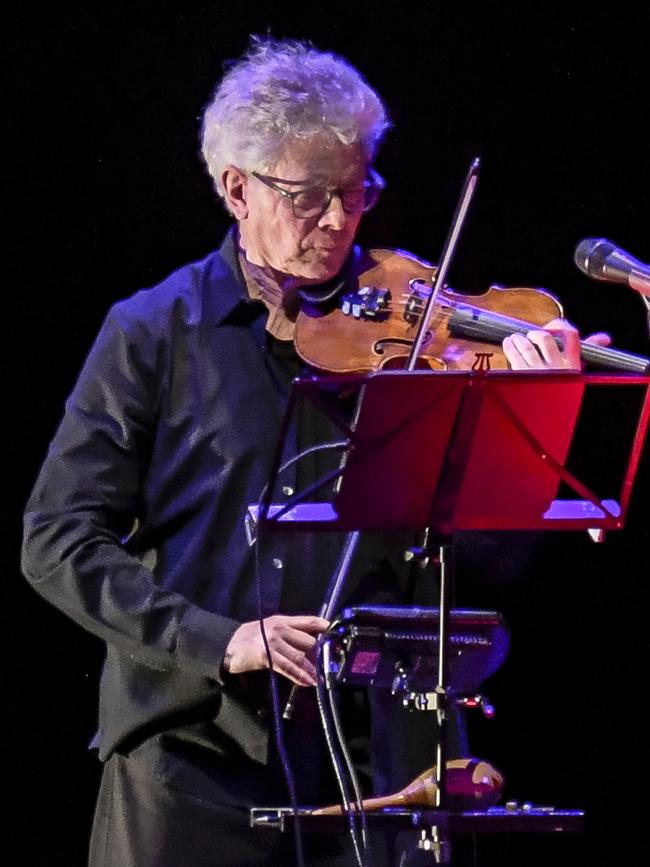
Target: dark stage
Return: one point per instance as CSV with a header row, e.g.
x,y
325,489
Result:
x,y
108,194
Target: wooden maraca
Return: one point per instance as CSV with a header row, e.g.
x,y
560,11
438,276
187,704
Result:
x,y
470,782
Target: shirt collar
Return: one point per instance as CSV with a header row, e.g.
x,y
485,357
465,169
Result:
x,y
226,284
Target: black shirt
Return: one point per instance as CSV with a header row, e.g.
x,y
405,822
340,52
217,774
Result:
x,y
171,430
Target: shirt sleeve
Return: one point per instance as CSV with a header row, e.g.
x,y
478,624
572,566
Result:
x,y
85,501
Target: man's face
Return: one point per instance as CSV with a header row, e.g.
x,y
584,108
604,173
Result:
x,y
310,250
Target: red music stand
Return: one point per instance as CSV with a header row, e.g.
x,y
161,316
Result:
x,y
458,451
461,451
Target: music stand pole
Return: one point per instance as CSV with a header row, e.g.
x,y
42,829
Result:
x,y
445,578
450,480
444,548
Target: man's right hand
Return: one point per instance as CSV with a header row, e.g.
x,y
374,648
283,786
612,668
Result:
x,y
292,641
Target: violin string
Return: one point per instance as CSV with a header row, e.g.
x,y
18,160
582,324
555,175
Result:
x,y
416,316
415,305
416,310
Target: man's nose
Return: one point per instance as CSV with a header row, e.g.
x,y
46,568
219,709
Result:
x,y
334,216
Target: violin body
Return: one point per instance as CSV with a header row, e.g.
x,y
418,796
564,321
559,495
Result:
x,y
334,341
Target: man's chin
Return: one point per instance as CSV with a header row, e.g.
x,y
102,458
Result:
x,y
322,270
318,275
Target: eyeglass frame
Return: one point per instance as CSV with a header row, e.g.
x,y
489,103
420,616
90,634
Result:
x,y
374,181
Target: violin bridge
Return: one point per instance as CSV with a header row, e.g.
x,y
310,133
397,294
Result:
x,y
417,301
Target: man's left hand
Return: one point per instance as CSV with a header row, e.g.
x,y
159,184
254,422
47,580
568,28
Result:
x,y
538,350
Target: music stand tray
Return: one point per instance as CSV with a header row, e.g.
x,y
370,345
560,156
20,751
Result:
x,y
515,818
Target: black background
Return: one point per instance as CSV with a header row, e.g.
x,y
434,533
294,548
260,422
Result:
x,y
107,194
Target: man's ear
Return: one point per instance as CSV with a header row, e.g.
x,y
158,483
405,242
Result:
x,y
234,186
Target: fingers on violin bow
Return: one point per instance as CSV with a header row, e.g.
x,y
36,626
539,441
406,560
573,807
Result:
x,y
539,350
567,357
522,353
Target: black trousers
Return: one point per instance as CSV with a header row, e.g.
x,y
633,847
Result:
x,y
182,798
173,803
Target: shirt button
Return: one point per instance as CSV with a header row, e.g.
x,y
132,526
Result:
x,y
277,563
287,490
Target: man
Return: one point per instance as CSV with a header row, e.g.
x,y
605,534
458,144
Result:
x,y
136,524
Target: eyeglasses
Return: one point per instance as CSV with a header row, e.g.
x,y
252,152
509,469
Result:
x,y
314,201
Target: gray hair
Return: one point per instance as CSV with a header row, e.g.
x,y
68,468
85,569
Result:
x,y
283,91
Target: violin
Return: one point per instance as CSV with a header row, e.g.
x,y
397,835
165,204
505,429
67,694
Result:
x,y
376,321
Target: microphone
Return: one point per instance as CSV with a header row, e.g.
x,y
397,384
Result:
x,y
602,260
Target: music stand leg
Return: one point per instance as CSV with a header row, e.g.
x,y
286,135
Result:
x,y
442,700
433,847
436,841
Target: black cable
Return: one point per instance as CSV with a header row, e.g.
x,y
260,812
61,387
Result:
x,y
275,698
277,719
336,763
359,809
